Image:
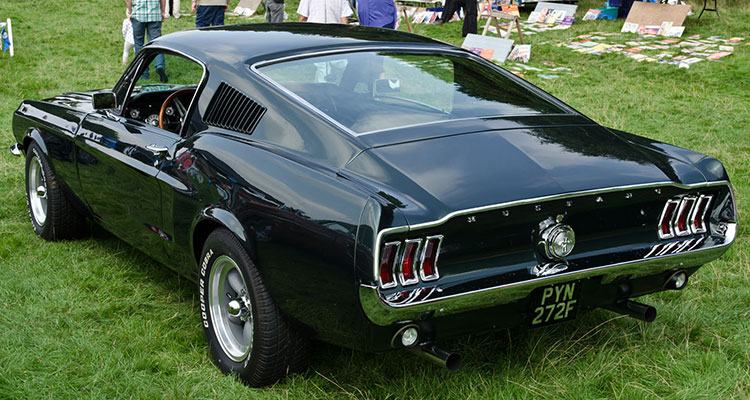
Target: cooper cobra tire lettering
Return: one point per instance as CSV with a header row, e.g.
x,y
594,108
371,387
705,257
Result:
x,y
277,348
204,316
205,262
202,286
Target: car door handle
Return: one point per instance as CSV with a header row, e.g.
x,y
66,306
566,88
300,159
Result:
x,y
112,116
157,149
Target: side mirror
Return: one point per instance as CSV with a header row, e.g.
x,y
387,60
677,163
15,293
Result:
x,y
383,87
104,100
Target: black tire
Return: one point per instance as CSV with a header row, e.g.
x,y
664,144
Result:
x,y
52,214
275,348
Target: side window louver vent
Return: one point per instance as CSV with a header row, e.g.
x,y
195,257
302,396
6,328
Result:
x,y
230,109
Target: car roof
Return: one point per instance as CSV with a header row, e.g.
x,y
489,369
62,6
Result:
x,y
249,43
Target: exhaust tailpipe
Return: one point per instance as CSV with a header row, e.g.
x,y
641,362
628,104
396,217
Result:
x,y
451,361
637,310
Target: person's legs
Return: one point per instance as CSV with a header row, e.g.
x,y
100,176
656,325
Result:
x,y
176,9
470,18
449,9
154,31
202,17
274,11
139,35
217,15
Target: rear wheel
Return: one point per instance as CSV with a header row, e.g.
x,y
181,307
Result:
x,y
51,212
247,335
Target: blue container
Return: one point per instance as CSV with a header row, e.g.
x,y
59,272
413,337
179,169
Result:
x,y
608,13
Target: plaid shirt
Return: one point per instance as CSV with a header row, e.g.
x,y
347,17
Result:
x,y
146,10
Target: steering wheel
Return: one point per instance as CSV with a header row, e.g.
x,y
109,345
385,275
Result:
x,y
181,109
326,104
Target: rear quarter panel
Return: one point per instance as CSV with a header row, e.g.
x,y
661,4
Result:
x,y
299,218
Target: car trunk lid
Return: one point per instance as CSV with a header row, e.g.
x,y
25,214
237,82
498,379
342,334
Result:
x,y
436,176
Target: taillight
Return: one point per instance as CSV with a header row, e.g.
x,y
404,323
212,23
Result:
x,y
408,273
682,226
698,216
408,262
387,261
428,269
665,220
684,217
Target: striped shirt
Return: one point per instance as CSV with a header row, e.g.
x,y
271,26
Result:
x,y
146,10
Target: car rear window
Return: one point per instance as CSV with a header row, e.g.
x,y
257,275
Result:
x,y
371,91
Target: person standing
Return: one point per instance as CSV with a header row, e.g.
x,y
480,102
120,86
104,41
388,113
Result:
x,y
274,10
377,13
324,11
146,17
470,14
209,12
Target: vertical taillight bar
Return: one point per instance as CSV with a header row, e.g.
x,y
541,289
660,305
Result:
x,y
681,223
665,220
387,264
698,216
428,268
408,271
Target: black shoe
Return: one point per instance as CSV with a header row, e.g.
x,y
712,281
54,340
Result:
x,y
438,22
162,75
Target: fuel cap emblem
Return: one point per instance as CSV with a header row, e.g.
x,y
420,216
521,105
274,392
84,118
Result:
x,y
558,241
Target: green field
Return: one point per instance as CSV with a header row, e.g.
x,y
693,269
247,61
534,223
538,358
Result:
x,y
97,319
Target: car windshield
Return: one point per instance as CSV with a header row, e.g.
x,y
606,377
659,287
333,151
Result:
x,y
372,91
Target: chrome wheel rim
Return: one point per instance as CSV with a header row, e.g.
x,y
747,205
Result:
x,y
37,187
231,309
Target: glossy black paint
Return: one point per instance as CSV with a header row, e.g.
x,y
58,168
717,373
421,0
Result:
x,y
307,200
531,161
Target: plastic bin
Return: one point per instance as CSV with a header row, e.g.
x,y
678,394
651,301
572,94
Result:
x,y
608,12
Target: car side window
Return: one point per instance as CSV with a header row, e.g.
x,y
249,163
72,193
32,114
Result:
x,y
164,90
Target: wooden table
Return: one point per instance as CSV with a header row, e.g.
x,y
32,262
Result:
x,y
494,15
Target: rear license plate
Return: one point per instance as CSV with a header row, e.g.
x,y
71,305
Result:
x,y
554,303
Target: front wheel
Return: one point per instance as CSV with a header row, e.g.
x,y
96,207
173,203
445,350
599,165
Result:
x,y
247,335
51,212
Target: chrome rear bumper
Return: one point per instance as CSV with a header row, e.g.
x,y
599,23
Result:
x,y
15,149
383,312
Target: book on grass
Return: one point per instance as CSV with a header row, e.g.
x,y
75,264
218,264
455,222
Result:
x,y
521,52
686,63
591,15
716,56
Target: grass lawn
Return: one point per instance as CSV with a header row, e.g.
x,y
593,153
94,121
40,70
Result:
x,y
97,319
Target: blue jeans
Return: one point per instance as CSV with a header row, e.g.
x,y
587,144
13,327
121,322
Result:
x,y
153,29
209,16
